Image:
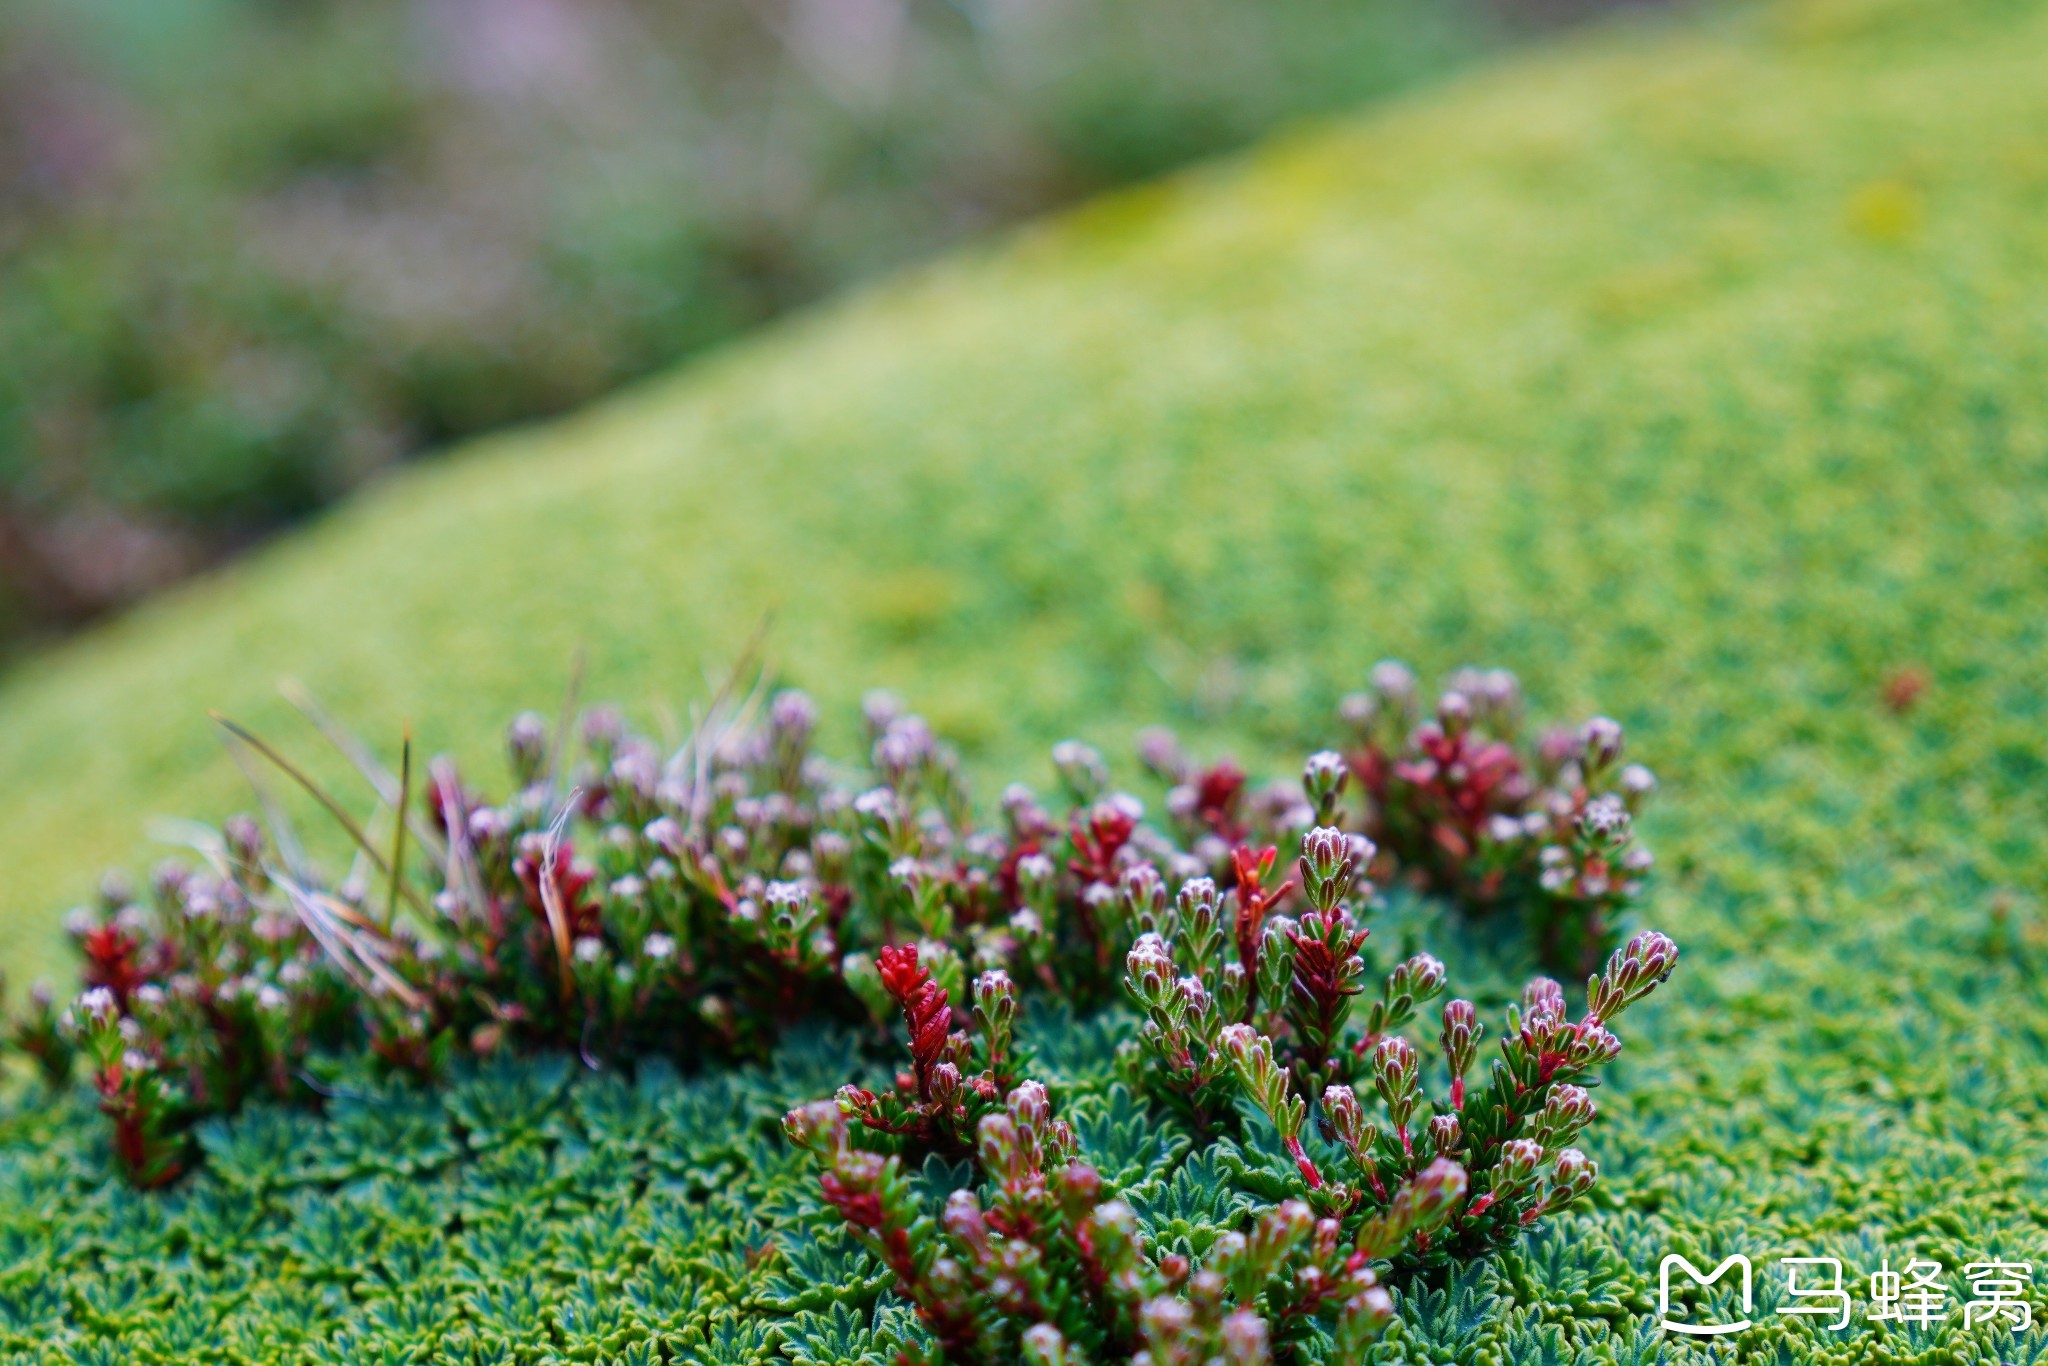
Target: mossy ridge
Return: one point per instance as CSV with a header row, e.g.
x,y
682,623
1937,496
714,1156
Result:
x,y
1641,336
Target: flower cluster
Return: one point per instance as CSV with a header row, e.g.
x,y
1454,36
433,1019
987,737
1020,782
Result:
x,y
1278,975
1054,1268
955,1078
205,996
1278,1029
1513,1135
1460,803
626,898
1246,1011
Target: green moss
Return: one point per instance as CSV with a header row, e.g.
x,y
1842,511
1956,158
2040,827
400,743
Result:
x,y
1697,371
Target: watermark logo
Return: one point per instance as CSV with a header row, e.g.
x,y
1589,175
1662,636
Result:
x,y
1916,1295
1701,1330
1824,1289
1995,1291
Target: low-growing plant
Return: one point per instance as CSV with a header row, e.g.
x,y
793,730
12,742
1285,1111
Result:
x,y
1464,804
956,1078
1512,1135
1052,1268
1252,1033
625,901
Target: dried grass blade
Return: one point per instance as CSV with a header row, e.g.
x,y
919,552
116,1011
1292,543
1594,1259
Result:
x,y
351,747
353,947
319,794
551,897
398,830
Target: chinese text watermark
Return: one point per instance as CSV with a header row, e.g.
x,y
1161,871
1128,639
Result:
x,y
1915,1294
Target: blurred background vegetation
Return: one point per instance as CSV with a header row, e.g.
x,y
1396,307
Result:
x,y
252,251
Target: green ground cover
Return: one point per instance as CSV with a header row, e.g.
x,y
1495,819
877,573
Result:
x,y
1696,372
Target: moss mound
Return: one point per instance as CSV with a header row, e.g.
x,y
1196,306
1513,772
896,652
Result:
x,y
1695,372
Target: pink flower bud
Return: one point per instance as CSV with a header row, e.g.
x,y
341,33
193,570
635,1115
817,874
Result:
x,y
1148,967
526,740
947,1087
1030,1106
1637,782
1393,681
1245,1340
1595,1046
1394,1061
1543,997
1602,736
1324,775
1460,1039
998,1146
1279,1230
1159,751
1434,1193
1346,1115
1081,1184
1373,1308
1604,820
1240,1041
809,1126
1568,1110
963,1220
1165,1320
1042,1345
1518,1159
1396,1075
793,714
1573,1176
1424,975
1325,852
96,1007
1634,971
995,995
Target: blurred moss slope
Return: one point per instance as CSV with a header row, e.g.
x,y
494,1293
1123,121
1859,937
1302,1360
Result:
x,y
254,251
1697,369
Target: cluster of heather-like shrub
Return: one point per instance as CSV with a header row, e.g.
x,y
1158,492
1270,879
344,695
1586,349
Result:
x,y
1043,1263
623,903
